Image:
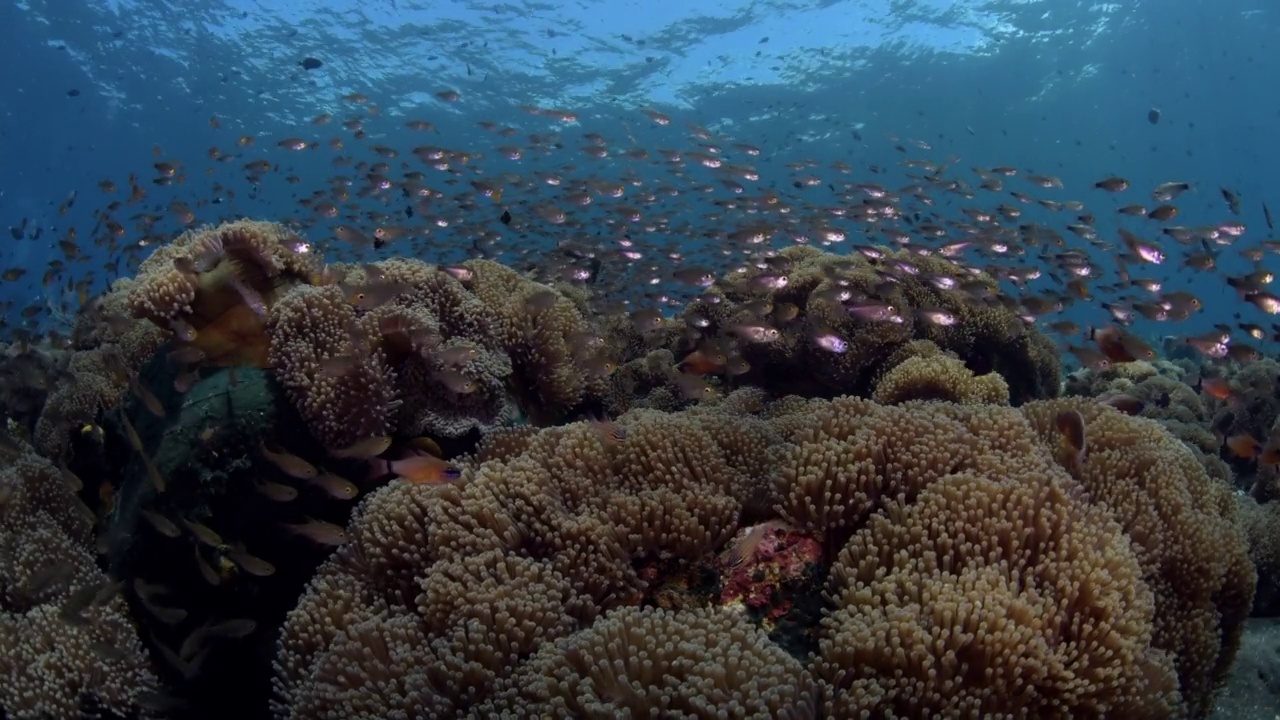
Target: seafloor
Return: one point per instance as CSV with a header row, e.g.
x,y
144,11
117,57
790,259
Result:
x,y
1253,687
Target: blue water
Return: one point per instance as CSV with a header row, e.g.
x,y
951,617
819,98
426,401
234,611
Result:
x,y
1058,88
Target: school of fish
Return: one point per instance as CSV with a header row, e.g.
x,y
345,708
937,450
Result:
x,y
643,230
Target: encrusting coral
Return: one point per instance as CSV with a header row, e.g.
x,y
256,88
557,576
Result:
x,y
966,543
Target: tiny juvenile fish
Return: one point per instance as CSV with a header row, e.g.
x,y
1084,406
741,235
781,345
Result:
x,y
1244,446
1126,404
203,533
744,546
233,628
455,381
318,531
336,487
1112,184
425,444
250,563
456,355
162,524
166,615
289,464
693,387
423,469
278,492
610,432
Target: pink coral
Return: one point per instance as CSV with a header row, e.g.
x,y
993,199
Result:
x,y
764,560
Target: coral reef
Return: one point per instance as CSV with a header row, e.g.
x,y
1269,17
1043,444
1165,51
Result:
x,y
779,317
110,347
634,662
963,541
1157,390
207,273
1051,614
1255,400
915,531
28,373
312,325
766,567
556,354
1183,528
205,292
426,360
1262,528
397,346
934,375
67,645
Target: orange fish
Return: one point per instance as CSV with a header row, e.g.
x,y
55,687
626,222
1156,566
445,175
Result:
x,y
1215,388
1244,446
1119,346
1271,453
702,362
424,469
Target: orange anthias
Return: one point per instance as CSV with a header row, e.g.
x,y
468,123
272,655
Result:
x,y
423,469
237,337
